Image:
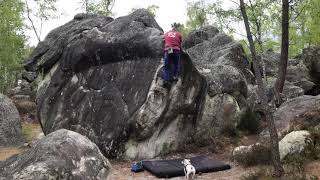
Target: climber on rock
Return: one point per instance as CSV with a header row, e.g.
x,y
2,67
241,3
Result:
x,y
172,52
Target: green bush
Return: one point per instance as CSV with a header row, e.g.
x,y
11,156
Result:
x,y
166,148
265,173
261,173
258,155
249,121
230,131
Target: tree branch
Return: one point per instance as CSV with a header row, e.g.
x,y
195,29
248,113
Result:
x,y
33,27
298,13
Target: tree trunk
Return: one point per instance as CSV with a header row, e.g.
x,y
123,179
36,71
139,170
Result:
x,y
282,71
278,169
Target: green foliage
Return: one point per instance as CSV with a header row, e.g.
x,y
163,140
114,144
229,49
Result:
x,y
197,14
182,29
258,155
223,18
102,7
43,10
11,42
230,131
249,121
153,9
305,26
265,22
265,173
30,131
311,122
259,174
295,162
166,148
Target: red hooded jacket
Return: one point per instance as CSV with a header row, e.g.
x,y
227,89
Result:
x,y
173,39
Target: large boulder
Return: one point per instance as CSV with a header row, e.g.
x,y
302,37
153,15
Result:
x,y
62,154
270,62
303,71
166,120
298,74
218,49
311,58
10,123
294,142
293,110
101,78
221,60
223,63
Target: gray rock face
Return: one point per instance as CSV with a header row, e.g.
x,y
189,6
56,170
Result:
x,y
166,120
29,76
223,63
292,91
62,154
219,113
24,88
199,35
311,58
10,123
225,79
221,60
218,50
293,109
97,78
270,60
303,71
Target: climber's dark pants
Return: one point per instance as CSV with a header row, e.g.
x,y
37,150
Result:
x,y
171,65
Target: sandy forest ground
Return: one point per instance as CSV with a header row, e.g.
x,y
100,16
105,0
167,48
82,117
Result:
x,y
121,169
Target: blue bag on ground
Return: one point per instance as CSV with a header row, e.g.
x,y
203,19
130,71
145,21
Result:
x,y
137,167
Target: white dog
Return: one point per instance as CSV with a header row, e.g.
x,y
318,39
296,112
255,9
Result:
x,y
189,170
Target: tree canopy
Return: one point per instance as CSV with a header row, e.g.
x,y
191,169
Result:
x,y
102,7
265,23
12,41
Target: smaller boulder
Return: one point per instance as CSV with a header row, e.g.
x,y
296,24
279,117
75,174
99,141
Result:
x,y
221,114
293,111
199,35
310,57
294,142
242,149
61,155
29,76
292,91
10,123
270,60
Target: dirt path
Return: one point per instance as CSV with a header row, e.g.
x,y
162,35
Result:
x,y
312,169
7,152
121,169
30,131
